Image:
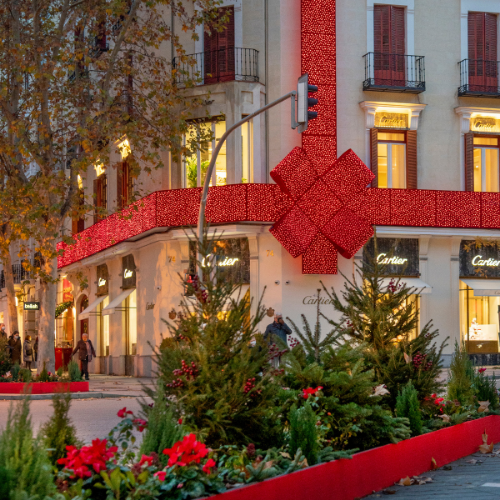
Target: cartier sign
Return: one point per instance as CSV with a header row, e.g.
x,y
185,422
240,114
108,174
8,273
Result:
x,y
478,260
398,256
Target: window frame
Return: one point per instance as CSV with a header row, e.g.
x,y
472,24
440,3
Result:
x,y
483,147
389,169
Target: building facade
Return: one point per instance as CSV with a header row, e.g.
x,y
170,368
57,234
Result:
x,y
411,86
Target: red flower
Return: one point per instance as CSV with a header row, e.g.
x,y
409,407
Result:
x,y
186,451
439,401
179,421
210,463
482,370
141,424
124,412
160,475
310,391
146,460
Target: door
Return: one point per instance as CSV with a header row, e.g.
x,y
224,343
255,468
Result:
x,y
482,42
389,43
220,51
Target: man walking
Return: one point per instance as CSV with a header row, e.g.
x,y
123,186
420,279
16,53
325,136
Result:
x,y
3,333
86,352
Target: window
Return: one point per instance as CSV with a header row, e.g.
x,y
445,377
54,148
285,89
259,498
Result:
x,y
389,45
130,317
246,152
394,158
103,328
196,165
482,47
125,184
219,51
486,164
100,197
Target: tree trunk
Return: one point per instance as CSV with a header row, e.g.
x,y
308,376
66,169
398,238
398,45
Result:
x,y
11,293
46,325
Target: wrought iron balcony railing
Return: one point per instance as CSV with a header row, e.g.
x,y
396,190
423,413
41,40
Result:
x,y
394,73
224,65
479,78
20,275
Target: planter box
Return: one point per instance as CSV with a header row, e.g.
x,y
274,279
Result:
x,y
43,387
374,469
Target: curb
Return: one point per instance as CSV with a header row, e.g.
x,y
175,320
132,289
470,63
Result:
x,y
74,395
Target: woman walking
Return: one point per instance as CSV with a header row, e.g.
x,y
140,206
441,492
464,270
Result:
x,y
28,352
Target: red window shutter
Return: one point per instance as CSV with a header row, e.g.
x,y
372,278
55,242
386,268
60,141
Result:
x,y
382,28
374,155
119,187
476,35
411,160
397,30
469,161
490,50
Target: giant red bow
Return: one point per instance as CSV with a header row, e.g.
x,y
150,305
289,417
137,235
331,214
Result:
x,y
322,218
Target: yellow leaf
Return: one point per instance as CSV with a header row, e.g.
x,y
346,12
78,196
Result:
x,y
406,481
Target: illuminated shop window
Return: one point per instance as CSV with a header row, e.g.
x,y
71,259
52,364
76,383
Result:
x,y
103,328
196,164
246,152
486,177
391,160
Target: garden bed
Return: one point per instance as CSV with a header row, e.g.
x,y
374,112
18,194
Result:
x,y
43,387
375,469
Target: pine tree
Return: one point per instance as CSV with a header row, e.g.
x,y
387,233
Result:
x,y
460,384
214,376
303,434
380,317
407,405
5,363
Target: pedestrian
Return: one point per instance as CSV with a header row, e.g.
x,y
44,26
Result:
x,y
28,352
15,348
85,353
279,329
3,333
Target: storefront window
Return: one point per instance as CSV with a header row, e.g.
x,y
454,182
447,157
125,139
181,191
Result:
x,y
131,323
486,178
391,160
103,328
196,165
246,152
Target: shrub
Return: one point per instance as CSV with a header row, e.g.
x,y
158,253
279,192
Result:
x,y
74,371
14,371
163,429
60,371
44,375
58,432
303,434
24,466
24,375
484,388
5,362
407,405
461,377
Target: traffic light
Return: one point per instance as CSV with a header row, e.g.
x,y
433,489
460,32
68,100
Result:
x,y
304,102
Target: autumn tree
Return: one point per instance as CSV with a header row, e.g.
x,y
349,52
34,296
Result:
x,y
77,77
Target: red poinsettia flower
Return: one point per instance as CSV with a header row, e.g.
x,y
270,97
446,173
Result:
x,y
310,392
179,421
160,475
145,459
124,412
482,370
141,424
210,463
186,451
439,401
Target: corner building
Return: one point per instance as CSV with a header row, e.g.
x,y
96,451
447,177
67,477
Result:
x,y
411,87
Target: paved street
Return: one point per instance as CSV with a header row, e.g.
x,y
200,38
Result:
x,y
462,480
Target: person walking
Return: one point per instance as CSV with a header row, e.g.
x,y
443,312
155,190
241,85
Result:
x,y
85,351
15,348
28,352
279,329
3,333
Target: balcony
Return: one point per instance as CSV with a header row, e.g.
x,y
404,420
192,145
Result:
x,y
394,73
479,78
224,65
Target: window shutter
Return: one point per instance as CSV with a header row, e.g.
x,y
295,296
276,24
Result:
x,y
397,30
119,186
490,50
469,161
476,35
411,160
382,24
225,46
374,155
96,199
104,191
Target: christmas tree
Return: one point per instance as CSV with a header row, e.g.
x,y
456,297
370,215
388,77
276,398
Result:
x,y
381,319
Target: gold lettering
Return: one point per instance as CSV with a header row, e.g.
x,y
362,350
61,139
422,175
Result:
x,y
479,261
101,282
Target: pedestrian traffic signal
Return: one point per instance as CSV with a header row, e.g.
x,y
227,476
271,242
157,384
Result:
x,y
304,102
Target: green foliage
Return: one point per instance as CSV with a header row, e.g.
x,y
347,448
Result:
x,y
485,389
383,318
213,376
58,432
461,377
192,172
60,371
24,375
303,433
14,371
60,308
5,363
407,405
74,371
24,466
163,429
44,375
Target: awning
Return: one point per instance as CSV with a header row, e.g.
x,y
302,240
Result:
x,y
90,309
422,286
113,305
484,288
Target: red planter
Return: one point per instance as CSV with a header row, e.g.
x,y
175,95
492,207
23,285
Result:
x,y
43,387
374,469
